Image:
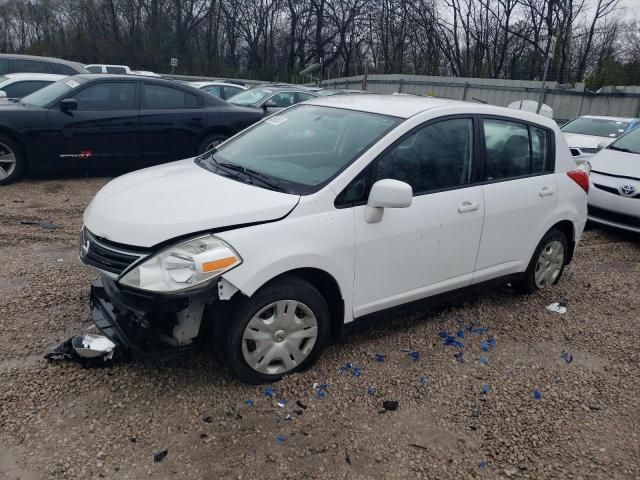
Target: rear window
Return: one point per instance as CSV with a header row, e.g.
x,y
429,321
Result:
x,y
63,69
94,69
597,127
22,89
118,70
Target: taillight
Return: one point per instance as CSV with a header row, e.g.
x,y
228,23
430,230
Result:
x,y
581,178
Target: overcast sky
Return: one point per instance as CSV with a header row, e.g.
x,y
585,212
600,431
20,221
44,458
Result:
x,y
632,9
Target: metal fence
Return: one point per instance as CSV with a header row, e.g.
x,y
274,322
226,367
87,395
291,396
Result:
x,y
567,101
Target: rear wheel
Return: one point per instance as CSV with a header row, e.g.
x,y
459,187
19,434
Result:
x,y
546,265
282,329
12,161
211,141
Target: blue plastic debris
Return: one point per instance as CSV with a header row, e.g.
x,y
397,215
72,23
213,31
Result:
x,y
451,341
281,438
479,329
566,356
482,464
424,380
443,334
346,367
484,346
485,389
484,360
268,392
460,333
321,390
537,394
356,372
415,355
248,402
492,342
379,357
459,356
282,403
372,390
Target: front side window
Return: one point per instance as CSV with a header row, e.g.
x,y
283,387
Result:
x,y
301,97
107,96
597,127
94,68
231,91
304,147
213,90
156,97
251,97
514,149
282,99
437,156
31,66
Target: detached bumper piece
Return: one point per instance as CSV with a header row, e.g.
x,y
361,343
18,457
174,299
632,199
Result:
x,y
132,323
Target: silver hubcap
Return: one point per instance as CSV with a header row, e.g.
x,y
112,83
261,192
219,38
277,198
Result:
x,y
7,161
279,337
549,264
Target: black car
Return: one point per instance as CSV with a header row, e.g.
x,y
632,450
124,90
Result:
x,y
98,120
14,63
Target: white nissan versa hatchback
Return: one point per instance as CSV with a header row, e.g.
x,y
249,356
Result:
x,y
324,214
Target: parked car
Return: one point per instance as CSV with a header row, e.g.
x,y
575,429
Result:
x,y
327,92
271,99
221,90
333,211
10,63
588,134
103,68
125,121
614,199
18,85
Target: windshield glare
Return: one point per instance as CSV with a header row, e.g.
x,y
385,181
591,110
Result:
x,y
630,142
598,127
50,93
250,97
307,145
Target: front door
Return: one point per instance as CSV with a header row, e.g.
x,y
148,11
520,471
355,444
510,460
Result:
x,y
520,195
103,131
431,246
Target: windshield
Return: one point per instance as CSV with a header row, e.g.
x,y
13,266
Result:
x,y
304,147
598,127
49,94
629,143
251,97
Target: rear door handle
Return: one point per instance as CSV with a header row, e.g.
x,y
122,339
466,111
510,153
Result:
x,y
468,206
545,191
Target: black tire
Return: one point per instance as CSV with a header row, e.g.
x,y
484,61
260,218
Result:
x,y
527,284
214,139
8,146
285,288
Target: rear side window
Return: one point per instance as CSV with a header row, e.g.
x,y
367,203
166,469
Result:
x,y
157,97
22,89
230,91
514,149
4,66
63,69
118,70
31,66
94,69
107,96
436,157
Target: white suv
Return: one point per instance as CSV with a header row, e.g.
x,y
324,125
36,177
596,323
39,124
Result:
x,y
330,212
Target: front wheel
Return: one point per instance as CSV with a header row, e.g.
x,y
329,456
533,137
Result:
x,y
282,329
12,161
546,265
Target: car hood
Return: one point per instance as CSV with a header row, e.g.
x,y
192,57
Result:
x,y
585,141
156,204
616,163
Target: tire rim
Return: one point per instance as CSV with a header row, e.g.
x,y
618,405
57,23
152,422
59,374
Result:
x,y
212,145
549,264
7,161
279,337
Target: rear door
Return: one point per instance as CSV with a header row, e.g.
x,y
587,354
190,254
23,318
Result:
x,y
172,121
519,193
103,131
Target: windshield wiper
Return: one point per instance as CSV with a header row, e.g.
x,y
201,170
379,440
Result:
x,y
254,175
626,150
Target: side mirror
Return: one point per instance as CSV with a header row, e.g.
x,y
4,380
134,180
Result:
x,y
387,193
3,94
602,145
68,104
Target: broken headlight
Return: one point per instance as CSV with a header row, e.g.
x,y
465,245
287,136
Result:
x,y
183,266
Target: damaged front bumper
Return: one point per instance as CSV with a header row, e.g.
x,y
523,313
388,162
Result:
x,y
147,326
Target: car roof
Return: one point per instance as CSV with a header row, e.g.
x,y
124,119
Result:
x,y
34,76
606,117
220,83
105,65
45,59
281,88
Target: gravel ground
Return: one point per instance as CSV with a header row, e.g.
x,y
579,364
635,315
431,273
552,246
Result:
x,y
60,421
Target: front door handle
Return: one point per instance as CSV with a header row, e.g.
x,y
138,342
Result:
x,y
545,191
468,206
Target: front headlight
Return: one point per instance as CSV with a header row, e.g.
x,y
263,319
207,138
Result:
x,y
183,266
